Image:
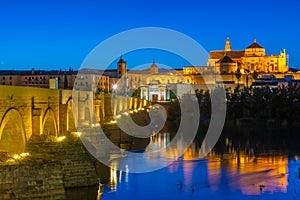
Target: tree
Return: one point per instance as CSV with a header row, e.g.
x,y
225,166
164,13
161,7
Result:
x,y
238,75
255,75
66,85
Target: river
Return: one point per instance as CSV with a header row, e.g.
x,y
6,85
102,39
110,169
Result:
x,y
233,175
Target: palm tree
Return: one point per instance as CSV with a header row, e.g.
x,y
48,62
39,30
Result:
x,y
238,75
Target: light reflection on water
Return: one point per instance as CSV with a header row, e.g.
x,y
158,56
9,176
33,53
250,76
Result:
x,y
228,176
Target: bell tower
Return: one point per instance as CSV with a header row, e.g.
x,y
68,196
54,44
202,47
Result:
x,y
227,45
121,70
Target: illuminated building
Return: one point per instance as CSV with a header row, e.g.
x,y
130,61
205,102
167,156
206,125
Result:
x,y
154,91
63,79
252,59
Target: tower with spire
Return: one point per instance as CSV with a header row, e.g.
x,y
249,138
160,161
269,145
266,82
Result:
x,y
121,70
228,45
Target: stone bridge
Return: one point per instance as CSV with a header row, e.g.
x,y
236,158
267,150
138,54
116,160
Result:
x,y
38,114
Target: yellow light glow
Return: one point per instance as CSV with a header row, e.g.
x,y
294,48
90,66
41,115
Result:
x,y
16,156
61,138
24,154
78,134
118,116
131,112
113,121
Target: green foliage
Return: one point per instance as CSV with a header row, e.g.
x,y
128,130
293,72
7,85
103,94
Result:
x,y
172,95
136,92
260,113
280,104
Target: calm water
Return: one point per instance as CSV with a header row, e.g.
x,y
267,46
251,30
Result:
x,y
266,176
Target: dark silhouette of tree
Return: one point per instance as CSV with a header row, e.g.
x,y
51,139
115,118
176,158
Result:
x,y
238,75
66,85
255,75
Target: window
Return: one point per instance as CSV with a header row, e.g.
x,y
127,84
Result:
x,y
3,78
10,78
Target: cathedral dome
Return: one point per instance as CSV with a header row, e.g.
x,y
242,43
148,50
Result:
x,y
154,68
153,65
254,45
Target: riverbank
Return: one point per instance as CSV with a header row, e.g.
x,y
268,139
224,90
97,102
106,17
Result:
x,y
57,169
47,170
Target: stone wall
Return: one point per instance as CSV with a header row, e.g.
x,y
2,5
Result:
x,y
78,168
32,181
50,169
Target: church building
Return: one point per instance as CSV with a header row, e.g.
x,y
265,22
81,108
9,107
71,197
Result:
x,y
252,59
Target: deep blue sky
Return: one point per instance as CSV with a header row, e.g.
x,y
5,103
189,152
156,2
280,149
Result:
x,y
58,34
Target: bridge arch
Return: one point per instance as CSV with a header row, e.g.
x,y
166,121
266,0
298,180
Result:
x,y
49,125
12,132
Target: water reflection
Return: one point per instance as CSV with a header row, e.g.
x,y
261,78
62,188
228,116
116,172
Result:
x,y
252,175
237,174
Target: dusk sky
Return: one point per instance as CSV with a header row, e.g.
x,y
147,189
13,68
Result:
x,y
58,34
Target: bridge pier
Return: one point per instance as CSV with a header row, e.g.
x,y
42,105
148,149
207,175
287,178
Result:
x,y
37,122
63,119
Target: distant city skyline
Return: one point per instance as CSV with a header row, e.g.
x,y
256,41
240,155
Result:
x,y
59,34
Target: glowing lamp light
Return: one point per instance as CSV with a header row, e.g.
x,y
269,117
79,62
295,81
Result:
x,y
78,134
24,154
115,86
125,113
118,116
113,121
61,138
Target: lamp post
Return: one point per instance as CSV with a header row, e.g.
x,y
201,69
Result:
x,y
115,86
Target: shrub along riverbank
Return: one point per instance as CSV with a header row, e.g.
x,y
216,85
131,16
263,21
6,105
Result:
x,y
258,117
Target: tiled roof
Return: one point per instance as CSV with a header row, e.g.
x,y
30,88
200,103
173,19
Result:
x,y
227,59
254,46
121,60
221,54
